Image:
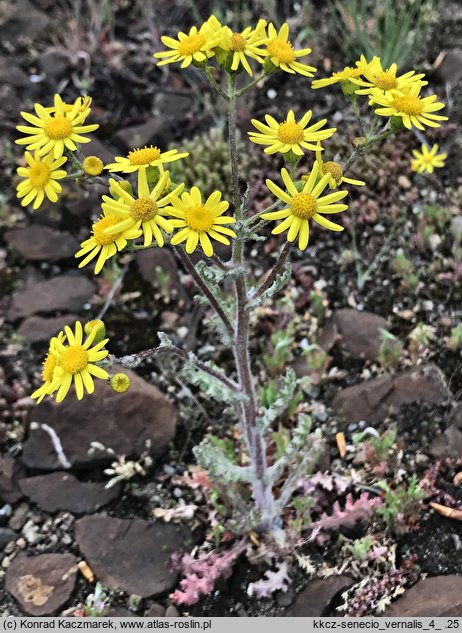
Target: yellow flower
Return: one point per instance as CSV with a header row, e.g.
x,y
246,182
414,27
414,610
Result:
x,y
83,104
40,179
143,158
195,46
48,369
102,245
304,205
146,212
238,45
290,135
213,24
343,77
76,363
93,166
120,382
281,53
101,329
53,133
334,171
427,159
200,222
413,109
385,80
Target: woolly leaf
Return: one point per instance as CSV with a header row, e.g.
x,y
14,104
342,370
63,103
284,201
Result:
x,y
278,284
354,511
274,581
279,400
219,466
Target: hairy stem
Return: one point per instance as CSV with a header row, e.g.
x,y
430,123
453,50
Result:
x,y
187,263
277,268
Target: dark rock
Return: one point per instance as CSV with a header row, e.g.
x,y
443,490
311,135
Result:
x,y
155,611
96,148
66,293
12,74
152,258
54,65
172,612
22,20
317,597
119,612
62,491
10,472
328,336
42,584
153,132
36,329
19,517
440,596
6,536
130,554
42,244
176,107
360,332
125,422
448,67
449,444
375,399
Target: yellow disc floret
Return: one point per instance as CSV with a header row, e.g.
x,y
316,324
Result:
x,y
57,128
98,230
143,209
334,169
238,43
120,382
144,156
409,104
49,365
282,51
74,359
199,219
93,166
290,132
303,205
39,174
192,44
386,80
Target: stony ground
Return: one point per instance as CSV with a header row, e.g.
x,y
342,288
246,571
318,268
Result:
x,y
60,526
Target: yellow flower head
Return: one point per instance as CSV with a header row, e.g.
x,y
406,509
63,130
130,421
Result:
x,y
57,131
146,212
281,54
200,221
105,246
93,166
427,159
40,179
145,157
239,46
413,109
76,362
334,171
343,77
195,46
83,106
100,329
289,135
120,382
385,80
304,205
48,370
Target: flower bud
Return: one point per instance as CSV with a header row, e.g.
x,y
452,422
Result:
x,y
120,382
101,329
93,166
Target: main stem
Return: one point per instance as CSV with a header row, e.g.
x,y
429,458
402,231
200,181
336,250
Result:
x,y
261,486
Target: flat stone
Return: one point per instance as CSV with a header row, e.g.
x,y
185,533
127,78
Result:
x,y
62,491
360,332
12,74
155,611
375,399
440,596
96,148
133,554
317,597
10,472
154,131
42,244
22,20
42,584
6,536
36,329
152,258
449,443
130,423
65,293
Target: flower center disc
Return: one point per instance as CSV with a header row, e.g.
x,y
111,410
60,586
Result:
x,y
144,156
74,359
282,51
408,104
57,128
48,367
290,133
192,44
143,209
99,227
386,80
303,205
199,219
334,169
237,42
39,174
